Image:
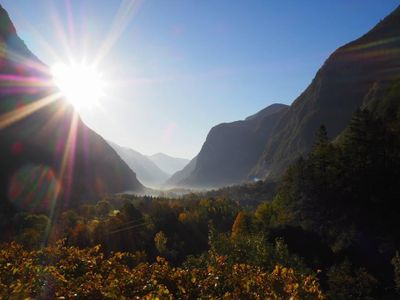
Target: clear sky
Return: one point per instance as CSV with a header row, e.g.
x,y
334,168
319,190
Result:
x,y
176,68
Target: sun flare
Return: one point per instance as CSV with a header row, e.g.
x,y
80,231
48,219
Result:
x,y
80,84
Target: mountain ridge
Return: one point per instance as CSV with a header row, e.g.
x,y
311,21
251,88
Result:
x,y
167,163
339,87
146,170
42,135
230,151
336,91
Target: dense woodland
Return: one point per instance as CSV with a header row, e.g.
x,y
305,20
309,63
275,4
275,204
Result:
x,y
328,230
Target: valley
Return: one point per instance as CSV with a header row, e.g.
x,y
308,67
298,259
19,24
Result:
x,y
295,201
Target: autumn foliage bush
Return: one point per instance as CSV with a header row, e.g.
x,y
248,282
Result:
x,y
62,272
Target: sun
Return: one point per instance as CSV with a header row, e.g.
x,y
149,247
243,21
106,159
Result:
x,y
80,84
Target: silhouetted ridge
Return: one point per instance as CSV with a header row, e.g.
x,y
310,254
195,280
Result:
x,y
51,139
6,25
264,145
337,90
230,151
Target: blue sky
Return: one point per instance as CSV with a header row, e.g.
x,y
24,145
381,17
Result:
x,y
176,68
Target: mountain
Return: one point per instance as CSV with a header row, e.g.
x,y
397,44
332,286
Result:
x,y
230,151
146,170
264,144
176,179
341,86
167,163
49,157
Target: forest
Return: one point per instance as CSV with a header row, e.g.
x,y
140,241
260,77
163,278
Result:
x,y
328,229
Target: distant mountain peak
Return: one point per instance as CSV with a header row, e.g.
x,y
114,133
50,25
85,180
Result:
x,y
161,154
167,163
146,170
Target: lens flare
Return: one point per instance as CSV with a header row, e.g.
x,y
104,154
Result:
x,y
34,188
80,84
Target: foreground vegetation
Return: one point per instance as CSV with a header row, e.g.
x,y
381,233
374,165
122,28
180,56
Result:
x,y
68,272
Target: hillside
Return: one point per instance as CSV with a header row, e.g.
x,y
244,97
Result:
x,y
231,153
146,170
231,150
176,179
168,164
41,136
338,89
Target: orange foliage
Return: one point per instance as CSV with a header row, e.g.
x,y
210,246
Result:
x,y
68,272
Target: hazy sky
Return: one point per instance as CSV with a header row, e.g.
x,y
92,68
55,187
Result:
x,y
176,68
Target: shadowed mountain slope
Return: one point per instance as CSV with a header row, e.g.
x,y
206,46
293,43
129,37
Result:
x,y
231,150
176,179
46,151
263,146
337,90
